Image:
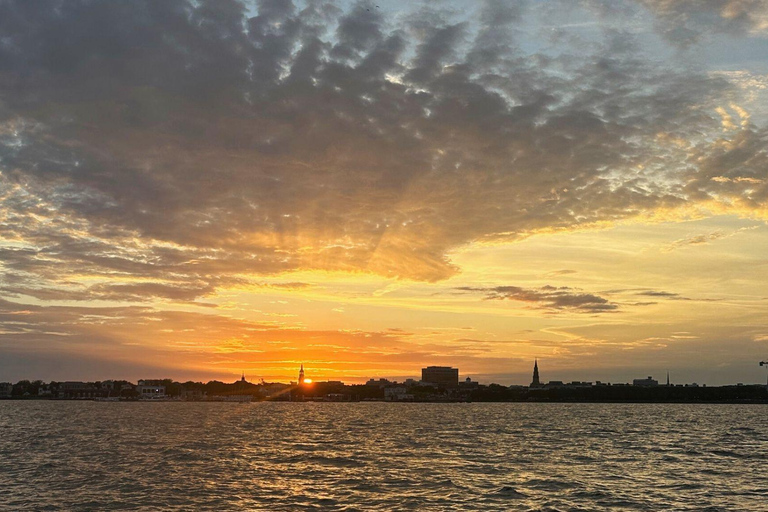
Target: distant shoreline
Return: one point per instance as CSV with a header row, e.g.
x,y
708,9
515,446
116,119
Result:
x,y
671,402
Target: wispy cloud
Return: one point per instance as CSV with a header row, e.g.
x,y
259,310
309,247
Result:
x,y
703,239
560,298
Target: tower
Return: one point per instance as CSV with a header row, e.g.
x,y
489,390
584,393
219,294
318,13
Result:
x,y
535,382
301,375
667,379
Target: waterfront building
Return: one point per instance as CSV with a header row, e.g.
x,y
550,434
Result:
x,y
6,389
74,389
441,375
150,392
301,375
648,382
397,394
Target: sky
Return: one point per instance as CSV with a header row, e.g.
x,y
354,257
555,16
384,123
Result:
x,y
198,189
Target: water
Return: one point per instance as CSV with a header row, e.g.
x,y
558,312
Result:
x,y
378,456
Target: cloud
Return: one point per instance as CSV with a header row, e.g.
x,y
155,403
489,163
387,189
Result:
x,y
108,342
703,239
562,298
563,272
685,21
657,293
163,151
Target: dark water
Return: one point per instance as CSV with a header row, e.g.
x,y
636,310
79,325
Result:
x,y
377,456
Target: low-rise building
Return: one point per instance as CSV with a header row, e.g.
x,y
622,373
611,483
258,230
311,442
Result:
x,y
6,389
579,384
150,392
647,382
379,382
397,394
77,389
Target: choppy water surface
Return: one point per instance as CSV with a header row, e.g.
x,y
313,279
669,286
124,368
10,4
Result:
x,y
377,456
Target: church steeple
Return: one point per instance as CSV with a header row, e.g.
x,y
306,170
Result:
x,y
535,382
301,375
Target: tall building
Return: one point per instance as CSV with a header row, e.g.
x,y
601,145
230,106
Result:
x,y
441,375
535,383
301,375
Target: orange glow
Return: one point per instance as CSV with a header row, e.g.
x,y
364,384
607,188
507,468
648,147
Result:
x,y
307,381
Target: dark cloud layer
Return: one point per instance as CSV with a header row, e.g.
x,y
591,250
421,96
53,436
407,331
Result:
x,y
556,298
166,149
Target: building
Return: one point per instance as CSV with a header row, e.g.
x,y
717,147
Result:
x,y
6,389
379,382
648,382
302,380
441,375
535,382
578,384
148,392
397,394
77,389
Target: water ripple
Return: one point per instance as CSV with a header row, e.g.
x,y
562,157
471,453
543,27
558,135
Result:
x,y
374,456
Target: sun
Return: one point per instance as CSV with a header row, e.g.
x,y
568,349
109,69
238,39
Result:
x,y
307,381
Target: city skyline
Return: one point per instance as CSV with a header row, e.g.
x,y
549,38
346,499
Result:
x,y
209,188
533,377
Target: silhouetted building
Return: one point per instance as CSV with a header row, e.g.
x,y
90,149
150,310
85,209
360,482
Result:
x,y
301,375
441,375
397,393
379,383
648,382
150,392
535,383
6,389
579,384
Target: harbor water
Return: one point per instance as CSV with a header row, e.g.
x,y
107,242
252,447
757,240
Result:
x,y
382,456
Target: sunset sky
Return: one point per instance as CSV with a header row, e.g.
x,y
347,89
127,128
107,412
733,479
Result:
x,y
195,189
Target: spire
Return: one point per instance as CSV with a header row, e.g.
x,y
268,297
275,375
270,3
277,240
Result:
x,y
301,375
535,382
667,379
